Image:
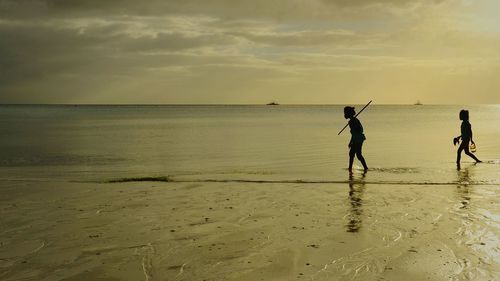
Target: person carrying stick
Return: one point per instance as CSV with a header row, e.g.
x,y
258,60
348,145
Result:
x,y
357,137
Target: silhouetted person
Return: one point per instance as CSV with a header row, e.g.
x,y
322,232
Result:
x,y
466,136
357,137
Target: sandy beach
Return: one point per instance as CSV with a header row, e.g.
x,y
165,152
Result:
x,y
248,231
289,140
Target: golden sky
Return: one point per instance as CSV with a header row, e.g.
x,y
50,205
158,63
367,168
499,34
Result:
x,y
235,51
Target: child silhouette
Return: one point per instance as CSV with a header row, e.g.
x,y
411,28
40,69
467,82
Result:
x,y
466,136
357,137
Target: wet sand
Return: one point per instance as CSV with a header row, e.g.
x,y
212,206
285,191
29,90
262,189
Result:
x,y
248,231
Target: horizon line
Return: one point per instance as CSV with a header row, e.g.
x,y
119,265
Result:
x,y
226,104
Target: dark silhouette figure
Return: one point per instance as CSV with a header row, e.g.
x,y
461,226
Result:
x,y
466,136
356,191
357,137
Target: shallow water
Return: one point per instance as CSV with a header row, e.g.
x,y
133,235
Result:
x,y
404,143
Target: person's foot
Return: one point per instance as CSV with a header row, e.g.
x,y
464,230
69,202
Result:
x,y
479,161
458,166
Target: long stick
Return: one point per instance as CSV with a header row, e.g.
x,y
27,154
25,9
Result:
x,y
354,116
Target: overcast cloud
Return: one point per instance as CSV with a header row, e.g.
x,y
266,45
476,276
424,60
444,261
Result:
x,y
228,51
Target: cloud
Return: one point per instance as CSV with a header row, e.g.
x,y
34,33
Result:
x,y
277,9
229,51
176,41
304,38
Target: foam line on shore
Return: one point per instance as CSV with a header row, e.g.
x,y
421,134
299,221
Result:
x,y
169,179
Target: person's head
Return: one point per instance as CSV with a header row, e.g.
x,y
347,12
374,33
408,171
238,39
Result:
x,y
349,112
464,115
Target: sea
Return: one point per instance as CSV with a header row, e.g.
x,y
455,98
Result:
x,y
405,144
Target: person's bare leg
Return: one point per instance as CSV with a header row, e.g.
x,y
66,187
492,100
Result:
x,y
466,149
362,160
459,154
351,158
360,157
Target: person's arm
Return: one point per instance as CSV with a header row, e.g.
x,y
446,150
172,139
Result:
x,y
461,132
457,139
350,126
470,130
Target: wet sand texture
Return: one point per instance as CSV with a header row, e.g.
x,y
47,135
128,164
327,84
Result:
x,y
248,231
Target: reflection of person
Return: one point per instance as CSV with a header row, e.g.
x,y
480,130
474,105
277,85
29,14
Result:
x,y
463,190
466,136
356,201
357,137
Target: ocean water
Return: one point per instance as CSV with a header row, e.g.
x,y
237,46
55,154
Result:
x,y
405,143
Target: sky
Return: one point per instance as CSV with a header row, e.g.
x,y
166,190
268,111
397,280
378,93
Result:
x,y
250,52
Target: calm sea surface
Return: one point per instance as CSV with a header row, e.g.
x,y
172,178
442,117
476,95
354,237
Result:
x,y
407,144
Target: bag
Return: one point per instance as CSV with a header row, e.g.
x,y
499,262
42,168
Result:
x,y
472,147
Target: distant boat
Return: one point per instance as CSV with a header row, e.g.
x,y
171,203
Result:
x,y
273,103
418,103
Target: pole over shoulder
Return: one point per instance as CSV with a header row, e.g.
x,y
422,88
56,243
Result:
x,y
355,116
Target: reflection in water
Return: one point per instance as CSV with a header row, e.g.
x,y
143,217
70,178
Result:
x,y
463,189
356,190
